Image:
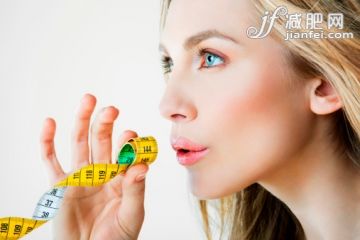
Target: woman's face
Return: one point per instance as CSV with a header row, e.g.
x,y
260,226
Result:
x,y
235,98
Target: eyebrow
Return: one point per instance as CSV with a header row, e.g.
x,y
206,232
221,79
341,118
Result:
x,y
194,40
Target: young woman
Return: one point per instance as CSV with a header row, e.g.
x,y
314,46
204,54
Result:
x,y
269,126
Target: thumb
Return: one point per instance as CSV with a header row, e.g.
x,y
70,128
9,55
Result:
x,y
131,212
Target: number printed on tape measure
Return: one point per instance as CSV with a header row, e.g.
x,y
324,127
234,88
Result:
x,y
48,204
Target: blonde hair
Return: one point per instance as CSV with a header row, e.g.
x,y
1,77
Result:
x,y
254,213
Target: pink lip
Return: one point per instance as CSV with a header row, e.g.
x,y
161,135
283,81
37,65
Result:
x,y
194,152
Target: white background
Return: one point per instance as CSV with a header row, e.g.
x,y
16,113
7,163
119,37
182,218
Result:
x,y
53,52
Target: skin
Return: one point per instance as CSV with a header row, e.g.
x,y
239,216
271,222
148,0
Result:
x,y
257,128
112,211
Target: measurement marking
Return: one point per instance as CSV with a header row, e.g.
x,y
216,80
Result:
x,y
46,206
22,225
105,173
146,152
34,225
80,176
54,195
93,176
8,228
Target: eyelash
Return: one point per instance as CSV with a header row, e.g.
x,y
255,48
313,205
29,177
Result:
x,y
165,60
165,64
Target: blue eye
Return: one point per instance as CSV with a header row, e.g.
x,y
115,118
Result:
x,y
207,58
212,59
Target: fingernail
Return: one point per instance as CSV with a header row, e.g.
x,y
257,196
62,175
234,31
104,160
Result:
x,y
140,177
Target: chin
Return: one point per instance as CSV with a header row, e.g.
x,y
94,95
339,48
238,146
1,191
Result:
x,y
203,190
204,196
206,193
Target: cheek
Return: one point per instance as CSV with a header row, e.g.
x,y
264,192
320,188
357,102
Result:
x,y
255,126
255,107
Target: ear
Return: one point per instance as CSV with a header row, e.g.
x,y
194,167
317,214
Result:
x,y
323,97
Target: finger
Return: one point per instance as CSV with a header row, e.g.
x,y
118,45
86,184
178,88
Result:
x,y
124,137
101,135
116,184
131,212
48,153
80,133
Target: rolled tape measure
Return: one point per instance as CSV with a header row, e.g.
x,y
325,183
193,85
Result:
x,y
136,150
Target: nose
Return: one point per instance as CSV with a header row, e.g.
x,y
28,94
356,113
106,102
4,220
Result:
x,y
176,104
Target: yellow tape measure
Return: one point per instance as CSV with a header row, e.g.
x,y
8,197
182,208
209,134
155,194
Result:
x,y
136,150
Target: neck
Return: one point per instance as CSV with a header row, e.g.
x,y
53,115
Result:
x,y
322,189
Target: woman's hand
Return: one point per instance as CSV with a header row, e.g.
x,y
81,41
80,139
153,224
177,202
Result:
x,y
112,211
